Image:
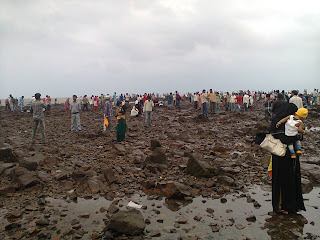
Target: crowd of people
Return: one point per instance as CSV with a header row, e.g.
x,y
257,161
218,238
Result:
x,y
285,110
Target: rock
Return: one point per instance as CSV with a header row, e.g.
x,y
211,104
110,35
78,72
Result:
x,y
215,228
119,147
155,233
93,185
197,218
84,215
127,222
78,174
210,210
7,189
12,225
240,226
50,161
113,209
5,166
29,163
182,220
306,185
154,144
28,179
176,190
42,222
61,176
6,154
311,170
251,218
15,214
226,180
157,157
17,172
198,167
109,175
223,200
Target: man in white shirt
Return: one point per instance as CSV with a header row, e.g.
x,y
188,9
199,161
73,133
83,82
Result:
x,y
295,99
147,109
246,101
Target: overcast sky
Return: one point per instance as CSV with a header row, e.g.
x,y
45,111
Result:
x,y
65,47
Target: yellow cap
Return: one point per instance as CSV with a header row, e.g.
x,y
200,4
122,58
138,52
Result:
x,y
302,112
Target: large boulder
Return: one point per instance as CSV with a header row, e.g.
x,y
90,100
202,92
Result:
x,y
6,153
28,179
5,166
157,157
109,175
154,144
198,167
176,190
129,222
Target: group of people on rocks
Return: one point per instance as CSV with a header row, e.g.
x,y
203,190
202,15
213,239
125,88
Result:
x,y
118,105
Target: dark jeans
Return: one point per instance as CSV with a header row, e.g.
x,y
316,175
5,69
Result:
x,y
204,109
195,104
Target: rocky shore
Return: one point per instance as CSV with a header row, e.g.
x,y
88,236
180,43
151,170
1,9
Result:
x,y
179,160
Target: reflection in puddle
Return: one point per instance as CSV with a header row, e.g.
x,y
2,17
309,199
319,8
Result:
x,y
237,216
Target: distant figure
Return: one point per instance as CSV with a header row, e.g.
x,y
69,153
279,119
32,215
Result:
x,y
7,105
295,99
147,109
67,104
121,127
75,114
21,103
267,107
38,118
55,101
85,102
108,113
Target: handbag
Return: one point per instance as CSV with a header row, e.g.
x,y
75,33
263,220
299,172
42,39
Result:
x,y
273,145
106,122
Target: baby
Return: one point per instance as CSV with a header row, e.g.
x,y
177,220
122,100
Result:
x,y
294,125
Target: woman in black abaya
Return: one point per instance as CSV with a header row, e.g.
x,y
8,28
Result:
x,y
286,174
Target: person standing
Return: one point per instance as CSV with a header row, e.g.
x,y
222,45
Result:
x,y
213,101
204,100
295,99
147,109
121,127
246,101
38,118
218,97
75,114
7,104
67,104
115,99
85,101
267,107
21,103
47,101
12,101
108,113
232,102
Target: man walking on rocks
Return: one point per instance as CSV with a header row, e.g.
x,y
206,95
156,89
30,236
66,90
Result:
x,y
75,114
108,113
147,109
38,118
204,100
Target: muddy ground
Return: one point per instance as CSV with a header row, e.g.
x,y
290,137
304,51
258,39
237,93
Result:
x,y
64,190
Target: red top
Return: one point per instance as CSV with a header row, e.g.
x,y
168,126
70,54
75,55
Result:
x,y
239,100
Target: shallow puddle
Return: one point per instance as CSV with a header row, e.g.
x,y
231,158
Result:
x,y
228,219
